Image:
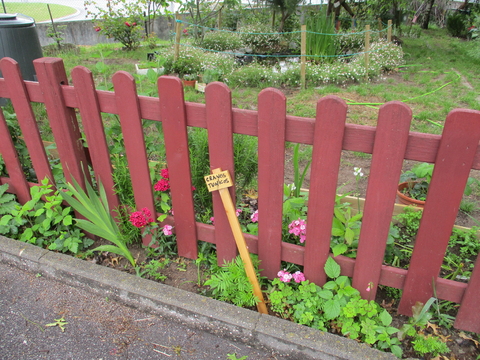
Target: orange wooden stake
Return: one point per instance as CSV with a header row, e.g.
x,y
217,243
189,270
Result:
x,y
221,181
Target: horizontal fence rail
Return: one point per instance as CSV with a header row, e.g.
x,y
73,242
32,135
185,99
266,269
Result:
x,y
454,152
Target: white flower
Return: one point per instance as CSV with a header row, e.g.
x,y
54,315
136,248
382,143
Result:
x,y
357,171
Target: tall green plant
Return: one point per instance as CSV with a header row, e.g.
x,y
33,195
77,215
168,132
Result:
x,y
98,220
320,38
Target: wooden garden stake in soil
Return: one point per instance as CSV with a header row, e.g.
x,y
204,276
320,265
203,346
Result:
x,y
221,181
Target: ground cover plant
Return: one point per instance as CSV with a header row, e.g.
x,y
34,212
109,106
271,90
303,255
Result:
x,y
424,338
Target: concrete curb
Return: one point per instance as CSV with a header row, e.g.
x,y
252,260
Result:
x,y
191,309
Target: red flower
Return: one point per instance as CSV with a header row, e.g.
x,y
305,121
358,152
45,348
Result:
x,y
141,219
134,24
98,28
164,173
162,185
126,23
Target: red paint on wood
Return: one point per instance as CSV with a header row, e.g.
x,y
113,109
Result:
x,y
94,132
271,165
51,76
468,317
458,145
218,99
26,118
327,150
387,162
132,129
172,110
14,168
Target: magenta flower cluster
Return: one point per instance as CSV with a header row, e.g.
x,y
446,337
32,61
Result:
x,y
164,183
298,228
254,216
285,276
141,218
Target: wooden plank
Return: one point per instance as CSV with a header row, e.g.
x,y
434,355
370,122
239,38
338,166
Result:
x,y
459,142
468,316
132,129
218,100
327,151
271,165
26,118
63,121
95,133
387,162
12,163
172,110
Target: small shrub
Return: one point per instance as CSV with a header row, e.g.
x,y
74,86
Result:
x,y
456,24
221,41
261,39
124,30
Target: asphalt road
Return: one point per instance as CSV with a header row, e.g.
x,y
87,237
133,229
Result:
x,y
97,328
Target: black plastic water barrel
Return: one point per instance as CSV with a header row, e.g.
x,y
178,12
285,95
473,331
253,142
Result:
x,y
19,40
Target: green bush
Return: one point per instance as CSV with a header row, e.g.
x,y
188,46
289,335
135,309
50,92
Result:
x,y
189,62
261,39
124,30
221,41
456,25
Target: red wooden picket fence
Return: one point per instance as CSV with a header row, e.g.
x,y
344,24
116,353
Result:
x,y
455,152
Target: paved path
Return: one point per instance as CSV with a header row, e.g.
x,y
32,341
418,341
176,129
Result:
x,y
98,328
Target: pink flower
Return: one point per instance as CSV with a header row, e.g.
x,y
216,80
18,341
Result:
x,y
134,24
298,276
164,173
167,230
126,23
162,185
141,219
284,276
254,216
298,228
185,31
98,28
238,212
212,219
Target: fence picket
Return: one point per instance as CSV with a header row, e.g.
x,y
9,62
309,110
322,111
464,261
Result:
x,y
172,111
132,129
271,166
218,99
468,317
51,76
26,118
94,132
327,150
388,152
18,183
455,156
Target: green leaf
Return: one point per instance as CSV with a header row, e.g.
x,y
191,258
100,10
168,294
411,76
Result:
x,y
397,351
331,309
67,220
385,318
332,269
349,236
325,294
339,249
5,218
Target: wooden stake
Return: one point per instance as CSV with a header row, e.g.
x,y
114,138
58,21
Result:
x,y
389,31
367,49
222,182
303,50
178,34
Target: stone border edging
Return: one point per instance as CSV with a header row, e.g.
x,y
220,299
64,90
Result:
x,y
194,310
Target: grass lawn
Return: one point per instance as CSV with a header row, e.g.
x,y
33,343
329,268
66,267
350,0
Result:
x,y
39,11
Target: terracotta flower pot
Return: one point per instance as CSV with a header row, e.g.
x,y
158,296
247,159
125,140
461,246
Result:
x,y
190,83
403,199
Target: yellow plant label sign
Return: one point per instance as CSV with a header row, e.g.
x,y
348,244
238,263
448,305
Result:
x,y
219,180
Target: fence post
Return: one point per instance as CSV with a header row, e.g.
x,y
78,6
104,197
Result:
x,y
303,56
178,35
367,49
380,26
389,31
63,121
